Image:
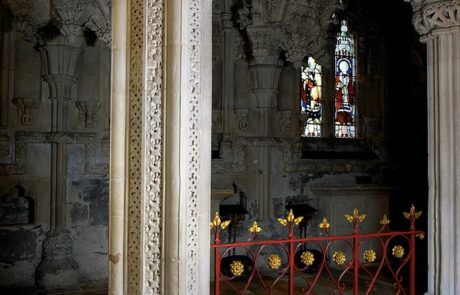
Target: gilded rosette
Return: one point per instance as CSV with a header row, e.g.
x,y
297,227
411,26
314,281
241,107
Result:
x,y
369,255
307,258
398,251
339,258
237,268
274,261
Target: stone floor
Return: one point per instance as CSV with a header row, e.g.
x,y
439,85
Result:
x,y
85,289
323,287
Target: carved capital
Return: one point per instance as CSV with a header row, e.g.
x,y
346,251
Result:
x,y
70,17
433,15
60,67
264,44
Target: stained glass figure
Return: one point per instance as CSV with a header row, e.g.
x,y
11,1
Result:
x,y
345,74
311,98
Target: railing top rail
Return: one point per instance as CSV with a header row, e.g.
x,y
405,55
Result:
x,y
317,239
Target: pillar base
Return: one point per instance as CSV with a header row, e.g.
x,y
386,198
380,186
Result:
x,y
57,270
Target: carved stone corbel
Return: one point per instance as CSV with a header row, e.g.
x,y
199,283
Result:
x,y
25,106
284,121
242,120
87,113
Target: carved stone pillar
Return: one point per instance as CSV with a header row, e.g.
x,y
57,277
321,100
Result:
x,y
60,69
438,22
265,69
160,169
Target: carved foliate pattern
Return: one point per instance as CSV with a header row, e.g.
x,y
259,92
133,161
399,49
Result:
x,y
193,157
297,27
438,15
99,22
29,16
153,118
135,142
67,14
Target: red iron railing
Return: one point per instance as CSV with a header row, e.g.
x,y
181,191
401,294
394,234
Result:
x,y
395,252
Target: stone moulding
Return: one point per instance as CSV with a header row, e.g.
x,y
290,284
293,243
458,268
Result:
x,y
153,136
135,246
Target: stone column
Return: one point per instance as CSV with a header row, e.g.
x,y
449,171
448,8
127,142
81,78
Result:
x,y
60,57
160,147
438,22
265,69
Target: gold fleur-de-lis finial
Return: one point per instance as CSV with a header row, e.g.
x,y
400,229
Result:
x,y
385,220
325,224
290,218
217,222
255,228
412,212
355,216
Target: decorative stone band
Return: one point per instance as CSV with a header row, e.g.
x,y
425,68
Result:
x,y
439,15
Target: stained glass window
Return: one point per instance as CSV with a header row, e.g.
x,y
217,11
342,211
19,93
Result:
x,y
311,100
345,74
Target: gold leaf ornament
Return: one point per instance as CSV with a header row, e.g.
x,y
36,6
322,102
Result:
x,y
339,258
398,251
274,261
325,224
237,268
290,217
282,221
255,228
225,224
216,221
370,255
298,220
307,258
385,220
412,212
421,236
355,216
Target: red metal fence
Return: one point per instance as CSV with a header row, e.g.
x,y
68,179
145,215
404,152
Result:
x,y
295,257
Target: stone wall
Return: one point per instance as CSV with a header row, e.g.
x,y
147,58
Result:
x,y
71,198
257,124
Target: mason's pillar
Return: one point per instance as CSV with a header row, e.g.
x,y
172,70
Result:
x,y
160,170
438,22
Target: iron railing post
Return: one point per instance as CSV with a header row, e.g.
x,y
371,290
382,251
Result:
x,y
412,258
291,258
355,258
217,265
